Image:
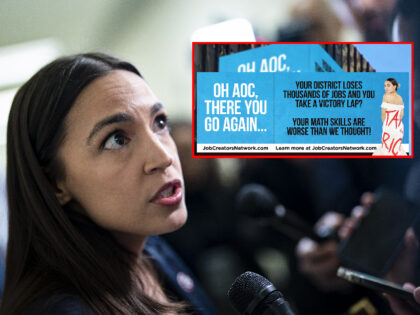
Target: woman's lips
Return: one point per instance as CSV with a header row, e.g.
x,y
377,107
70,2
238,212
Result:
x,y
169,194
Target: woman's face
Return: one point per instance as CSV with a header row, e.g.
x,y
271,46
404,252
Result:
x,y
389,88
121,165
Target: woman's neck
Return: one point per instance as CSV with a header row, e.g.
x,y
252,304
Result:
x,y
134,243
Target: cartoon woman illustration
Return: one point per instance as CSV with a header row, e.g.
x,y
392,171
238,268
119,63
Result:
x,y
391,114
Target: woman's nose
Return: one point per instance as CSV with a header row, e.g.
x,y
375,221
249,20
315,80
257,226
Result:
x,y
158,155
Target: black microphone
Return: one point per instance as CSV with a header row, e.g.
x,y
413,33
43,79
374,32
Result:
x,y
257,201
252,294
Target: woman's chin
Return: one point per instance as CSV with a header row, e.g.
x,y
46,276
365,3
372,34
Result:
x,y
176,220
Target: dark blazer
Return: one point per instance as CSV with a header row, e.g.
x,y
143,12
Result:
x,y
178,279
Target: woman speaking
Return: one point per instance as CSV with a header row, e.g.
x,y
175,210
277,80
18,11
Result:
x,y
92,172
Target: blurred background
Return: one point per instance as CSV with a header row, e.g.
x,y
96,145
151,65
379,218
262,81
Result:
x,y
156,37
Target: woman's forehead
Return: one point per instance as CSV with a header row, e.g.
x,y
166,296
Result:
x,y
116,91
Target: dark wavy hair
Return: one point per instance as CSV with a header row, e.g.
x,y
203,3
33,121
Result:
x,y
53,249
393,82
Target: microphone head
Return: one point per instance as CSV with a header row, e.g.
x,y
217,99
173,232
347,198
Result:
x,y
248,289
256,201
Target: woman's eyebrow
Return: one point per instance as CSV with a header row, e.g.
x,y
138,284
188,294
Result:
x,y
119,117
155,108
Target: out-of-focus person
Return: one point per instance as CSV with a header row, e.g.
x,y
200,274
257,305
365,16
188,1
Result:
x,y
321,22
344,20
373,17
406,24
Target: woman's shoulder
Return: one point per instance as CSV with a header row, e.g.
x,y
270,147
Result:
x,y
59,304
392,99
399,100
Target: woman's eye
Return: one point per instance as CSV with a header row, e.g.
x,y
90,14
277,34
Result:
x,y
161,122
115,141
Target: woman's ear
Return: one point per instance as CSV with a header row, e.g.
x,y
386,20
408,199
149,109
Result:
x,y
54,173
62,193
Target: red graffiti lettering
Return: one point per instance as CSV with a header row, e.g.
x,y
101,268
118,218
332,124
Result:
x,y
385,138
395,146
395,117
392,145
